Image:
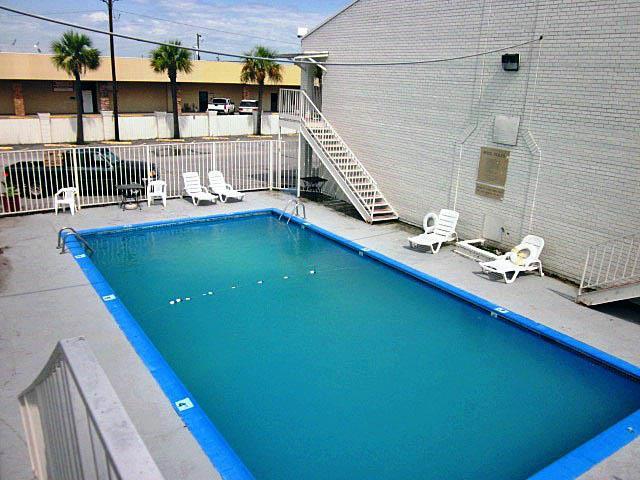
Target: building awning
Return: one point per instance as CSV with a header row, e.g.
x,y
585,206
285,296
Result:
x,y
313,57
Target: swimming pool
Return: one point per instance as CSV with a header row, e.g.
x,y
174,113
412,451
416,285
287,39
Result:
x,y
314,359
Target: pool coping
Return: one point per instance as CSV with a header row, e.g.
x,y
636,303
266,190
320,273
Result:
x,y
220,453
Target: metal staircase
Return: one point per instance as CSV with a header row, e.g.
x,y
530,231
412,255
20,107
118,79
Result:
x,y
341,163
611,271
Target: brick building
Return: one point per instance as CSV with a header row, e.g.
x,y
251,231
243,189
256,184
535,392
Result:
x,y
565,123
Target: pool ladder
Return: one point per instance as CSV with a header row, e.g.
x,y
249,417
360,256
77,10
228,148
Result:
x,y
295,211
62,241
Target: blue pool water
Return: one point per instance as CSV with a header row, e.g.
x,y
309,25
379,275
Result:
x,y
315,362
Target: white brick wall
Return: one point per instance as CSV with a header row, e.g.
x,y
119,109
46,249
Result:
x,y
584,112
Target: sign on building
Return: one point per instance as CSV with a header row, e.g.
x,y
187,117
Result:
x,y
492,172
62,86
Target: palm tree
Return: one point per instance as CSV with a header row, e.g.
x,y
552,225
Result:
x,y
259,70
172,59
74,53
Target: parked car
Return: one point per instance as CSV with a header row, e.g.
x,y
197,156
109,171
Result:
x,y
222,106
247,107
98,172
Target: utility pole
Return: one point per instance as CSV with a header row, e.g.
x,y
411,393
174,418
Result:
x,y
114,82
198,37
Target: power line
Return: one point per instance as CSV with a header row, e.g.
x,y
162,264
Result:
x,y
280,59
204,28
68,12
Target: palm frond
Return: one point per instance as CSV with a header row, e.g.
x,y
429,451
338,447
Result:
x,y
74,52
171,58
259,70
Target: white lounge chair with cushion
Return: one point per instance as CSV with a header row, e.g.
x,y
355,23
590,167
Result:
x,y
157,189
222,189
523,258
66,197
443,230
194,189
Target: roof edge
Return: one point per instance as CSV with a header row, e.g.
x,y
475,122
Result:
x,y
327,20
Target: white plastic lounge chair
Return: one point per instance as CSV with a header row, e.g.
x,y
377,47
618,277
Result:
x,y
194,189
222,189
444,230
523,258
66,197
157,189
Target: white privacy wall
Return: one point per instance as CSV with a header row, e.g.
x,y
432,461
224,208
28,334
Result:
x,y
45,128
582,106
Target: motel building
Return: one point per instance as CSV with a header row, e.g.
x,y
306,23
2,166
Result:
x,y
30,84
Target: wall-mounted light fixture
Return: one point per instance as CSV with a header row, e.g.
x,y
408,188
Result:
x,y
511,62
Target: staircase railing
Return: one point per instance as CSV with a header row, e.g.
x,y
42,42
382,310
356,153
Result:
x,y
75,425
297,105
615,262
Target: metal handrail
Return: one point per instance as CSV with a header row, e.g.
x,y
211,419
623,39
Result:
x,y
62,241
305,104
295,210
614,262
75,425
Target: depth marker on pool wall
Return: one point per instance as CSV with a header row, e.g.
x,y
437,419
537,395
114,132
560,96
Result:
x,y
184,404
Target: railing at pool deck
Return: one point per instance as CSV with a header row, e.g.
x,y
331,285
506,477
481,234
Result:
x,y
75,425
616,262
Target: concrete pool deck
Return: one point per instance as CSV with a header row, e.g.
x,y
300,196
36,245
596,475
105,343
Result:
x,y
45,297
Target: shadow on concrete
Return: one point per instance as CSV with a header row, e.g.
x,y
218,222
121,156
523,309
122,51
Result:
x,y
624,310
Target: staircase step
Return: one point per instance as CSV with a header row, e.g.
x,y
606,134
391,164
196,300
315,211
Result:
x,y
384,218
611,294
383,210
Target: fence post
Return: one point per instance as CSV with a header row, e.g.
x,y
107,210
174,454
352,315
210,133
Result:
x,y
76,178
147,154
215,155
299,163
271,143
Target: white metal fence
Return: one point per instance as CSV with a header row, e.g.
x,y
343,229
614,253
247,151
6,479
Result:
x,y
31,178
75,425
616,262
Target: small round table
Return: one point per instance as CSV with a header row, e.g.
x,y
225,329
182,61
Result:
x,y
130,195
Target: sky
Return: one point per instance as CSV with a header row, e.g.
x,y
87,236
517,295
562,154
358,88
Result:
x,y
233,26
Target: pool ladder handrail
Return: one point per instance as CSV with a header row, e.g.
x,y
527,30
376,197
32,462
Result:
x,y
62,241
295,211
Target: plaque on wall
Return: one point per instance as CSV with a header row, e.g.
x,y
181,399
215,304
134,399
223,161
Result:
x,y
492,172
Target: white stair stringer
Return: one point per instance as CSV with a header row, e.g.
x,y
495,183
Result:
x,y
335,174
351,176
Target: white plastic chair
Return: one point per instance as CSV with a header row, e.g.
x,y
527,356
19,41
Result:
x,y
443,230
194,189
222,189
523,258
66,197
157,189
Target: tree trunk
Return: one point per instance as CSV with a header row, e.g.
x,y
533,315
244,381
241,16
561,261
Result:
x,y
77,86
260,93
174,100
